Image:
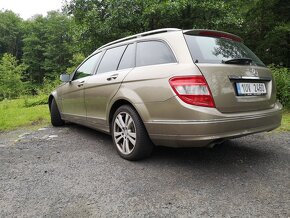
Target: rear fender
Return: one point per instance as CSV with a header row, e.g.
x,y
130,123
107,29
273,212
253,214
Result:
x,y
133,98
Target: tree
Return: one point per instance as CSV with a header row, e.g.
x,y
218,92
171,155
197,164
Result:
x,y
267,30
101,21
11,32
76,60
47,46
11,72
34,48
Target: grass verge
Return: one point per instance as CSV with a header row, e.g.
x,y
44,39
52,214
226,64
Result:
x,y
285,125
15,114
34,113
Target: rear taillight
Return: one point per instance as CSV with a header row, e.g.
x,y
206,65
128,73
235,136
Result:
x,y
192,90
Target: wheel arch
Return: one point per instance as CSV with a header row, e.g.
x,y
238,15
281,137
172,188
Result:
x,y
52,96
118,103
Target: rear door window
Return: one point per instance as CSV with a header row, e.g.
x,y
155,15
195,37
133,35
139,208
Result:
x,y
153,52
111,59
128,59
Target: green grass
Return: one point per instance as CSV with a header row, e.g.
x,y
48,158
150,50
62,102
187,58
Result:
x,y
285,125
32,112
35,100
18,113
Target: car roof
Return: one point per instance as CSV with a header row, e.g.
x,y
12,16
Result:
x,y
136,36
152,32
200,32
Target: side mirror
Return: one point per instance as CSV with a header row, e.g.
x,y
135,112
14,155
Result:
x,y
65,77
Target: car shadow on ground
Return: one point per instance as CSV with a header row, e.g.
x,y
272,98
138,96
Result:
x,y
231,152
236,159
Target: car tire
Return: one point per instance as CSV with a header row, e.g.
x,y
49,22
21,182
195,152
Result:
x,y
55,115
127,127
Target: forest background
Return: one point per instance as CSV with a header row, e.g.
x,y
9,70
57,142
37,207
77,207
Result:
x,y
34,52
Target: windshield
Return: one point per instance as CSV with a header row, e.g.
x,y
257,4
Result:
x,y
205,49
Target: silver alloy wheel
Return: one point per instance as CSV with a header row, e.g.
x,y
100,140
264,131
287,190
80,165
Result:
x,y
124,133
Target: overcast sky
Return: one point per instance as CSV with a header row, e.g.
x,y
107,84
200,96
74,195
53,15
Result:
x,y
28,8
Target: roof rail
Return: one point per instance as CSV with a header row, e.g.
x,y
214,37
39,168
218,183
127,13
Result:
x,y
152,32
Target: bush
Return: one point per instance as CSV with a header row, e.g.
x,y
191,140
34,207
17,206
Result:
x,y
11,72
37,100
49,85
282,78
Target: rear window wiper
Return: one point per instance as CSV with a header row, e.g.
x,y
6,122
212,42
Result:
x,y
242,61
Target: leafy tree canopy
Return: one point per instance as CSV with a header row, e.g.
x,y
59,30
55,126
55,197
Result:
x,y
11,32
10,77
100,21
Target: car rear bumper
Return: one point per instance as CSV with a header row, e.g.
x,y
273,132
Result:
x,y
198,133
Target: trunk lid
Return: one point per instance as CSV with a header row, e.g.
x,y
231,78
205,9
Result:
x,y
239,81
222,80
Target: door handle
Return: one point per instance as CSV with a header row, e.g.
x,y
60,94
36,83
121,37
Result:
x,y
81,84
114,76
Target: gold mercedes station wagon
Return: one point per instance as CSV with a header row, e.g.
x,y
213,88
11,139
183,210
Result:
x,y
169,87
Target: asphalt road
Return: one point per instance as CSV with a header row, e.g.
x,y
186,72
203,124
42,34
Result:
x,y
76,172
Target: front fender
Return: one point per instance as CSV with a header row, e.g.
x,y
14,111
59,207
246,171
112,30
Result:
x,y
54,95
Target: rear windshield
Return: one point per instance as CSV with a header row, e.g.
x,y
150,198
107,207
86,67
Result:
x,y
205,49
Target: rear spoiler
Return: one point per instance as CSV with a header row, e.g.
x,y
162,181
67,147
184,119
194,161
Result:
x,y
213,33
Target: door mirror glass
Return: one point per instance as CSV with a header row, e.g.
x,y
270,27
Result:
x,y
65,77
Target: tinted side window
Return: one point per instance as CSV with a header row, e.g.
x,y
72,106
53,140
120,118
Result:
x,y
153,52
111,59
87,67
128,59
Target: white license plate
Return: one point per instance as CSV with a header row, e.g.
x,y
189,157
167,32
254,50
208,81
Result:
x,y
251,88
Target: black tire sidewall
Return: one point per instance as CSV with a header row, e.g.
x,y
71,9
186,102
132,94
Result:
x,y
143,146
55,115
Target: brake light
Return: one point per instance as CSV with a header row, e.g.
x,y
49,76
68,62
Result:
x,y
220,35
192,90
